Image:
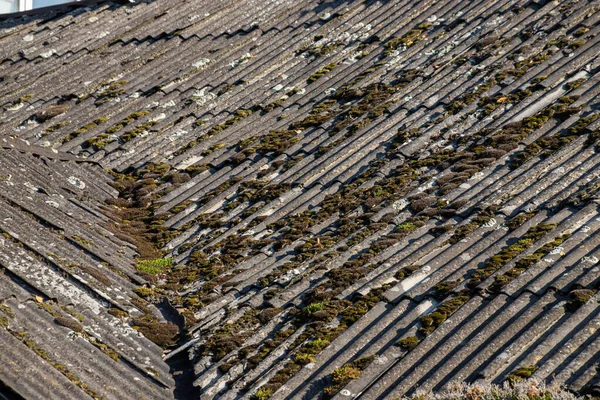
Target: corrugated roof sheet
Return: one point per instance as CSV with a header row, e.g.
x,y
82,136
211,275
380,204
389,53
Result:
x,y
360,198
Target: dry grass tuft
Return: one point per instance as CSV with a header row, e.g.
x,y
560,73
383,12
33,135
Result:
x,y
520,390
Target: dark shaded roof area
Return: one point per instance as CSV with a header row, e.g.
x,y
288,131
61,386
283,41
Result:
x,y
337,199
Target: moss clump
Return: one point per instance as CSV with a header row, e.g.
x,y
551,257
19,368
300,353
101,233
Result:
x,y
96,274
521,373
405,272
303,358
341,376
6,310
263,394
238,115
497,261
109,91
408,39
524,263
320,51
69,323
408,343
115,312
578,298
325,70
155,266
145,292
519,220
442,289
583,195
161,333
463,230
55,127
431,321
84,129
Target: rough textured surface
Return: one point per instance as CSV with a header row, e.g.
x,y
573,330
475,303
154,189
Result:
x,y
338,199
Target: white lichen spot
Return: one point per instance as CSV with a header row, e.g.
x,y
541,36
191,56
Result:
x,y
400,205
490,223
477,175
78,183
48,54
278,88
28,38
557,250
177,134
243,59
381,360
590,259
30,187
159,117
201,63
346,392
93,19
585,229
52,203
324,16
330,91
102,34
15,107
432,19
169,104
203,96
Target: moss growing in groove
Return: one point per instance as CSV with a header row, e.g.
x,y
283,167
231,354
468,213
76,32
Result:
x,y
55,127
579,297
431,321
262,394
519,220
477,221
163,334
497,261
408,39
22,336
6,310
109,91
408,343
521,373
341,376
69,323
321,72
524,263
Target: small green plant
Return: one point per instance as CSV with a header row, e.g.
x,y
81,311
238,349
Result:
x,y
314,307
263,394
155,266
